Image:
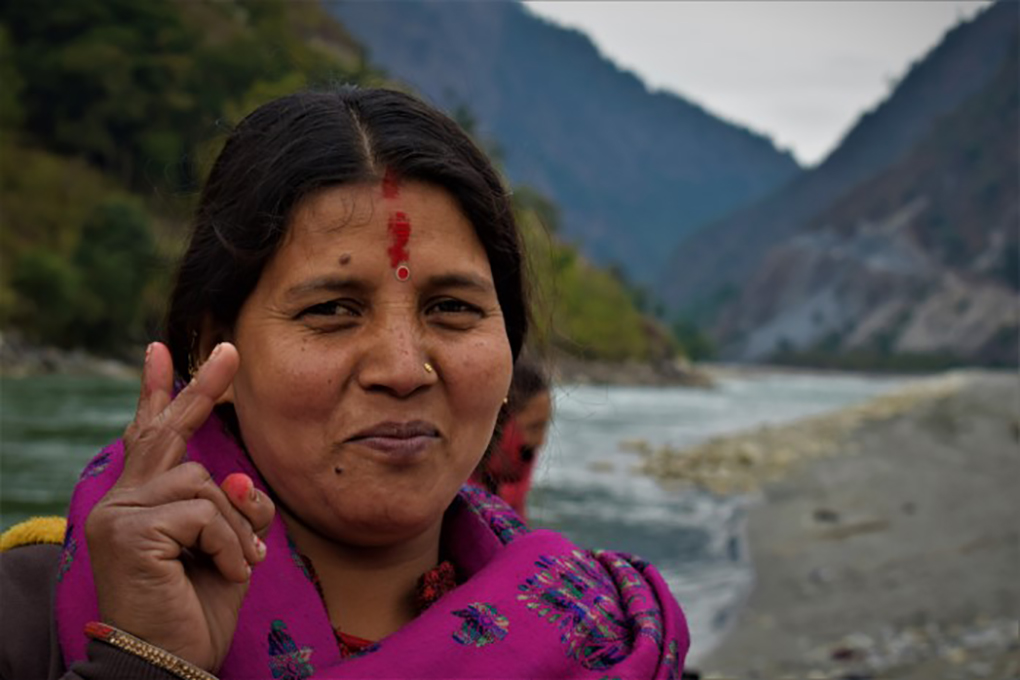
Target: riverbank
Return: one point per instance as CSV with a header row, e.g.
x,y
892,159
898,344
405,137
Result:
x,y
19,359
566,369
885,542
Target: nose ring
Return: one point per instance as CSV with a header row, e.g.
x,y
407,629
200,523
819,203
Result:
x,y
428,368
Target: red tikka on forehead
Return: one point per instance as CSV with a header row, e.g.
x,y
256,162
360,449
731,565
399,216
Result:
x,y
400,234
390,185
399,229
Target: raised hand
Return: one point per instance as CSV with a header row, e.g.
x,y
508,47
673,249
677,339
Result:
x,y
171,551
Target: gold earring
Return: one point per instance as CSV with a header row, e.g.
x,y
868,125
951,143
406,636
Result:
x,y
428,368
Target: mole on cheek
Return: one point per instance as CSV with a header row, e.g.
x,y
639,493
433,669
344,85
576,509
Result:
x,y
345,259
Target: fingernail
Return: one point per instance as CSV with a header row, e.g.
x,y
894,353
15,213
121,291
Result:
x,y
148,351
247,570
253,494
260,548
216,351
238,487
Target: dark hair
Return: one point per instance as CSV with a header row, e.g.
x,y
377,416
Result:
x,y
306,141
529,379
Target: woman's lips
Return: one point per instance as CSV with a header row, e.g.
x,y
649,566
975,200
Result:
x,y
403,447
402,440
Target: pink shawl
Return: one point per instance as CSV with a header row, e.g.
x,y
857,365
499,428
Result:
x,y
532,605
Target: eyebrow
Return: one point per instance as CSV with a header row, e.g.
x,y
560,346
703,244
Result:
x,y
328,284
460,280
347,284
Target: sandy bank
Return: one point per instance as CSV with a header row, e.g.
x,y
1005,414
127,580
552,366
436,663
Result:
x,y
886,543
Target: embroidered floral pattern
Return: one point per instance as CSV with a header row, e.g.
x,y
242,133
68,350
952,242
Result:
x,y
577,595
483,625
495,512
672,661
644,611
67,553
435,583
302,562
96,466
287,660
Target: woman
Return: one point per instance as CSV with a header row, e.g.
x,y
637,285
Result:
x,y
343,330
507,471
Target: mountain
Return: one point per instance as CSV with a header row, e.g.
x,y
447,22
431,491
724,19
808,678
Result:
x,y
631,170
710,267
913,264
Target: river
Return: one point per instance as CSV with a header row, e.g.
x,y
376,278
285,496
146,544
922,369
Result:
x,y
584,484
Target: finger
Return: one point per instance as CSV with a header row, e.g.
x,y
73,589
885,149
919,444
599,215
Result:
x,y
154,392
255,505
198,525
157,382
190,481
158,444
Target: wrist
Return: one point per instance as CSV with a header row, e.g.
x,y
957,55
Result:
x,y
157,656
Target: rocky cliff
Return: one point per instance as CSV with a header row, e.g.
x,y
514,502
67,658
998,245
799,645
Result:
x,y
716,261
916,258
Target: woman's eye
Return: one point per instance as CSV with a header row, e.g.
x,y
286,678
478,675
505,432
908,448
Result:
x,y
453,307
332,309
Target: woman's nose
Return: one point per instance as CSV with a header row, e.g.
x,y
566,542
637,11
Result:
x,y
395,358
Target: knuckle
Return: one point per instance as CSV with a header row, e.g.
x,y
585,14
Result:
x,y
146,435
206,510
131,431
195,473
166,422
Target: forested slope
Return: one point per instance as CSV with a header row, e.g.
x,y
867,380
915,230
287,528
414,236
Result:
x,y
110,114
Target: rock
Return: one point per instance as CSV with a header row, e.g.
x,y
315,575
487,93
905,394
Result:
x,y
956,655
826,515
979,669
740,463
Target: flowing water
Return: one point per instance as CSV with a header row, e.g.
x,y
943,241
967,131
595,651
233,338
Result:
x,y
584,484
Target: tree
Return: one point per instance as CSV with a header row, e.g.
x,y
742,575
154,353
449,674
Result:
x,y
46,307
114,260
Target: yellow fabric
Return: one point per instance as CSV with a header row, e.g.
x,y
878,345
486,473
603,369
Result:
x,y
35,530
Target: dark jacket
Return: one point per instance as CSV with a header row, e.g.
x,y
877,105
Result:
x,y
29,649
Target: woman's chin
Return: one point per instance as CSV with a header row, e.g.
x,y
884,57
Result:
x,y
380,526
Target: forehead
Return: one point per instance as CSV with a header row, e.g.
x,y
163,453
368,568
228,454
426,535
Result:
x,y
353,223
538,405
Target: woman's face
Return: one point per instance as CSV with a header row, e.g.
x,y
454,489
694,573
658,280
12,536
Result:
x,y
366,397
533,419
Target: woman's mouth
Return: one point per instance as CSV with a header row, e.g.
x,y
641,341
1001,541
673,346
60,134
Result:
x,y
400,440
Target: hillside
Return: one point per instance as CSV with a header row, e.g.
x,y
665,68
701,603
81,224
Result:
x,y
921,259
712,266
110,115
111,111
632,170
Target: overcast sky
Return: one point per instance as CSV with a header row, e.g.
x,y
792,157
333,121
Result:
x,y
800,71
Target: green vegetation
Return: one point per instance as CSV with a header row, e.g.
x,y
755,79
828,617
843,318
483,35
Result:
x,y
110,113
695,342
579,308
